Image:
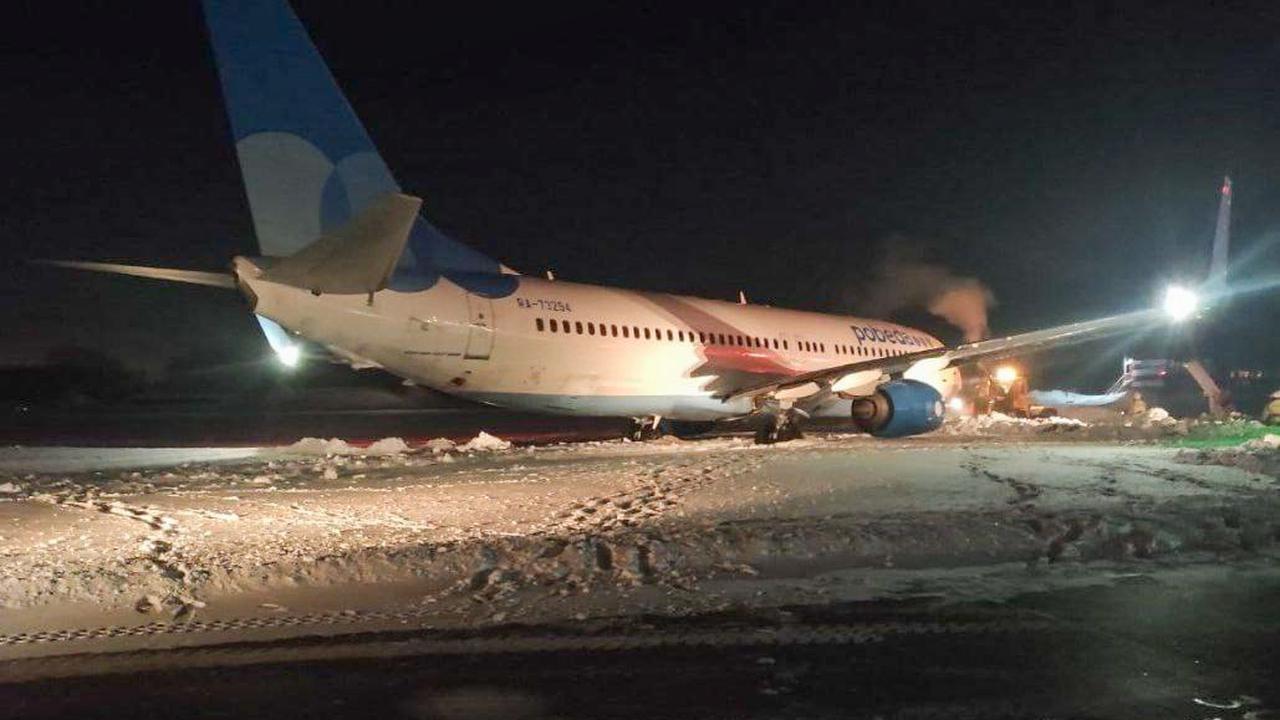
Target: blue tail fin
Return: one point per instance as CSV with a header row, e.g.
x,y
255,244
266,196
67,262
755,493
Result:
x,y
307,162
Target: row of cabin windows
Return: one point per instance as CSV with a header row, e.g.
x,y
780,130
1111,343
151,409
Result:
x,y
580,327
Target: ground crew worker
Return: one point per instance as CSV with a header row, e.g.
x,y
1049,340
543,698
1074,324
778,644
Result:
x,y
1137,406
983,397
1271,413
1019,398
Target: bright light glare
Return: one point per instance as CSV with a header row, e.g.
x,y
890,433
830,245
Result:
x,y
1006,374
956,403
289,355
1180,303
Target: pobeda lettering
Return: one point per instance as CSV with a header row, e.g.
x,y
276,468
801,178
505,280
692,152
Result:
x,y
862,334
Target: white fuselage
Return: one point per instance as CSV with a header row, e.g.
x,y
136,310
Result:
x,y
562,347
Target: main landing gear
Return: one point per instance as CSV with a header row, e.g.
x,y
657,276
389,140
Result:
x,y
647,429
655,427
779,427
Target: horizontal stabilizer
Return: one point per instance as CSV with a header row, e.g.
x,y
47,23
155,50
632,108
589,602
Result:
x,y
191,277
357,257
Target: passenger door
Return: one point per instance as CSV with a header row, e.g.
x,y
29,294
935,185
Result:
x,y
480,335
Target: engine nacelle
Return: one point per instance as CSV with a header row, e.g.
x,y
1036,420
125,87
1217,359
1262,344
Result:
x,y
898,409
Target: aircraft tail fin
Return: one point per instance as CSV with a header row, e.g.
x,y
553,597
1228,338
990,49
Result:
x,y
308,165
1221,239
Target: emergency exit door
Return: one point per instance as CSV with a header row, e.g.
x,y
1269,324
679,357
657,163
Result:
x,y
480,333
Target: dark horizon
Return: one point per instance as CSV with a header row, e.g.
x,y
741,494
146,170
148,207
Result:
x,y
1070,160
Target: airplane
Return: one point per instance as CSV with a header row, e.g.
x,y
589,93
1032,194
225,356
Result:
x,y
350,263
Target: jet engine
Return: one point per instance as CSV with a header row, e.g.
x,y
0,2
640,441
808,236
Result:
x,y
899,408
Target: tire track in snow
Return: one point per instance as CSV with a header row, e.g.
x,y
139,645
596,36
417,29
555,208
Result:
x,y
659,491
1059,534
157,545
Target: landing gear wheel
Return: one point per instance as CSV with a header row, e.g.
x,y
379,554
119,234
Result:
x,y
646,430
779,428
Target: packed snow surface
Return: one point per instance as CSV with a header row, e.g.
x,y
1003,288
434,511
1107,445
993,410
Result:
x,y
83,459
484,530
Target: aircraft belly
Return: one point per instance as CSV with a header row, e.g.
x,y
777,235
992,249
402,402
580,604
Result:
x,y
572,379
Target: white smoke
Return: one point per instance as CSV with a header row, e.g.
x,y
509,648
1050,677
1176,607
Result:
x,y
903,281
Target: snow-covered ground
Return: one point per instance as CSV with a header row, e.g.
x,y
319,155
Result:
x,y
482,532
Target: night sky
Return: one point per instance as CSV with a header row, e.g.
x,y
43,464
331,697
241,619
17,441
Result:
x,y
1065,154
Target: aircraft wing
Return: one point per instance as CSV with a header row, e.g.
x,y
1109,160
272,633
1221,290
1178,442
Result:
x,y
941,358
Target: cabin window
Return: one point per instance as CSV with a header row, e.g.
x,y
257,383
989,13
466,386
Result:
x,y
670,335
822,347
646,334
775,343
553,325
613,330
591,328
786,344
578,326
539,325
626,332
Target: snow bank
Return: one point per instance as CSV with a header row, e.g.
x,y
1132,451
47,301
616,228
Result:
x,y
1156,415
484,442
1266,442
1260,455
387,446
337,446
319,446
440,445
999,422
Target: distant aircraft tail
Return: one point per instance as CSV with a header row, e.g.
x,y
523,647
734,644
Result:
x,y
308,164
1221,240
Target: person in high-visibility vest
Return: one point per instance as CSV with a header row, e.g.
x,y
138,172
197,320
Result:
x,y
1271,413
1137,405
